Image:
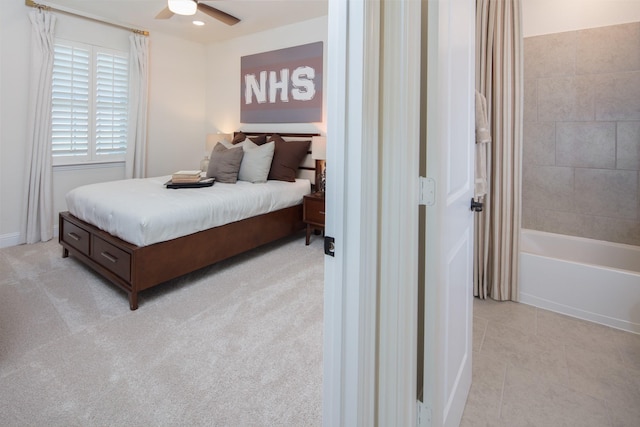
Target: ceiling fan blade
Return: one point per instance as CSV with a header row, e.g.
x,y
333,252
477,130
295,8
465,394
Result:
x,y
164,14
218,14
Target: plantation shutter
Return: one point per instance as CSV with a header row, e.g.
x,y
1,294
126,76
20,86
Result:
x,y
90,104
112,97
70,101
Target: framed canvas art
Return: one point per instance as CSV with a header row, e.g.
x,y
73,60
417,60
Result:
x,y
282,86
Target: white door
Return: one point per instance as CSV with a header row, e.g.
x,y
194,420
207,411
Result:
x,y
449,222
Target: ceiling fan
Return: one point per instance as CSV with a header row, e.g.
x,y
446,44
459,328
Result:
x,y
189,7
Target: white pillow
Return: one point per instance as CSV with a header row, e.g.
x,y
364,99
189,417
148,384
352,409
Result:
x,y
256,161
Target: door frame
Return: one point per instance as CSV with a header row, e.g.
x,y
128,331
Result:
x,y
370,323
349,331
400,117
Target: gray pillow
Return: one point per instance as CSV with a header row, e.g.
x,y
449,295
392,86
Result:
x,y
224,163
256,162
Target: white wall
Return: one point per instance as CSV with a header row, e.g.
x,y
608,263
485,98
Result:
x,y
14,26
177,102
223,75
194,90
555,16
176,113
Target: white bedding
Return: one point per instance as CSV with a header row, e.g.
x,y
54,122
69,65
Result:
x,y
144,212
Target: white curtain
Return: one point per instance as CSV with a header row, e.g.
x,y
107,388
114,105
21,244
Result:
x,y
37,206
499,77
138,101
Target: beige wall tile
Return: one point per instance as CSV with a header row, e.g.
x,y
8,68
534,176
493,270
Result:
x,y
628,149
539,147
588,83
608,49
548,187
611,193
617,230
554,221
550,55
617,96
586,144
530,107
566,99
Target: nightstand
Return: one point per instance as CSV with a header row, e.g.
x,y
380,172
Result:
x,y
313,212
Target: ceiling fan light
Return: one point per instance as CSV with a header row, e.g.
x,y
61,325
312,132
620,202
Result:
x,y
183,7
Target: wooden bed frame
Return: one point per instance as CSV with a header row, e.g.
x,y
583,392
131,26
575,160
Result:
x,y
136,268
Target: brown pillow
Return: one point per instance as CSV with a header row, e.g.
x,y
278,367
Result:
x,y
224,163
258,140
287,158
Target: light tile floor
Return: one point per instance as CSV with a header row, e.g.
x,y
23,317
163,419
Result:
x,y
533,367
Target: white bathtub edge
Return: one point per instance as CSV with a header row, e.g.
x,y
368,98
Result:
x,y
577,313
601,295
618,256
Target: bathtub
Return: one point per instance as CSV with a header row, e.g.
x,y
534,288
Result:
x,y
584,278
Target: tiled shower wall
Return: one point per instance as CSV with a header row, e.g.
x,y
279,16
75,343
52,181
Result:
x,y
581,149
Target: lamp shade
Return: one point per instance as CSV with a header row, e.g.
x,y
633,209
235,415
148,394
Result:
x,y
183,7
319,147
213,139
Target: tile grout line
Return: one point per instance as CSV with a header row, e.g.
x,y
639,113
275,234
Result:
x,y
609,412
484,334
621,355
504,383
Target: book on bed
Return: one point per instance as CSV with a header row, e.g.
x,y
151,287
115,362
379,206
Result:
x,y
185,176
201,182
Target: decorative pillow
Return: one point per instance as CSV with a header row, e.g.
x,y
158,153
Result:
x,y
287,157
258,140
239,137
224,163
256,162
229,144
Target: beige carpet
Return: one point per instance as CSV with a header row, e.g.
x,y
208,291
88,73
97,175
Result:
x,y
235,344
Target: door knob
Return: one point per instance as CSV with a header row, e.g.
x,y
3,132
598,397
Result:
x,y
476,206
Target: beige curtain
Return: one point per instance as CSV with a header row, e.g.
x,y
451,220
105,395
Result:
x,y
499,79
136,164
37,206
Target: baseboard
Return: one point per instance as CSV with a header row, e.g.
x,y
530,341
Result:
x,y
10,239
13,239
579,313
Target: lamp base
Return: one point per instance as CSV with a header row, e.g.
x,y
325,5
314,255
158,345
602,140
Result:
x,y
321,176
204,164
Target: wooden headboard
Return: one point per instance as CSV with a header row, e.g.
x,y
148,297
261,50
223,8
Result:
x,y
307,169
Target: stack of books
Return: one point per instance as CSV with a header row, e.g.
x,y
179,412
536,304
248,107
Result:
x,y
185,177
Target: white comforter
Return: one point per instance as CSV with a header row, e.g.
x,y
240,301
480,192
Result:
x,y
144,212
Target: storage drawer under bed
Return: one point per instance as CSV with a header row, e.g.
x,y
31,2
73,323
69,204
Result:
x,y
75,236
111,257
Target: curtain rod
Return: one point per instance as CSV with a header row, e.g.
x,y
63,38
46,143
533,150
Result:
x,y
31,3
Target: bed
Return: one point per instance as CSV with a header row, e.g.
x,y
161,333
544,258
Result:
x,y
136,249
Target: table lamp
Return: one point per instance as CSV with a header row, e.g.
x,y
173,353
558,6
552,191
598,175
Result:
x,y
212,140
319,154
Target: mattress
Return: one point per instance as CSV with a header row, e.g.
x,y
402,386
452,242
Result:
x,y
144,212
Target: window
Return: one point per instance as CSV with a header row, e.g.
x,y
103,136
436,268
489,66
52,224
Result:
x,y
90,99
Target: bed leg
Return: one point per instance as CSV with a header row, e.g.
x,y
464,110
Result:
x,y
65,253
133,300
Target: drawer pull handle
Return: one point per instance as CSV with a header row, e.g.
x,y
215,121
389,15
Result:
x,y
110,257
321,212
74,236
